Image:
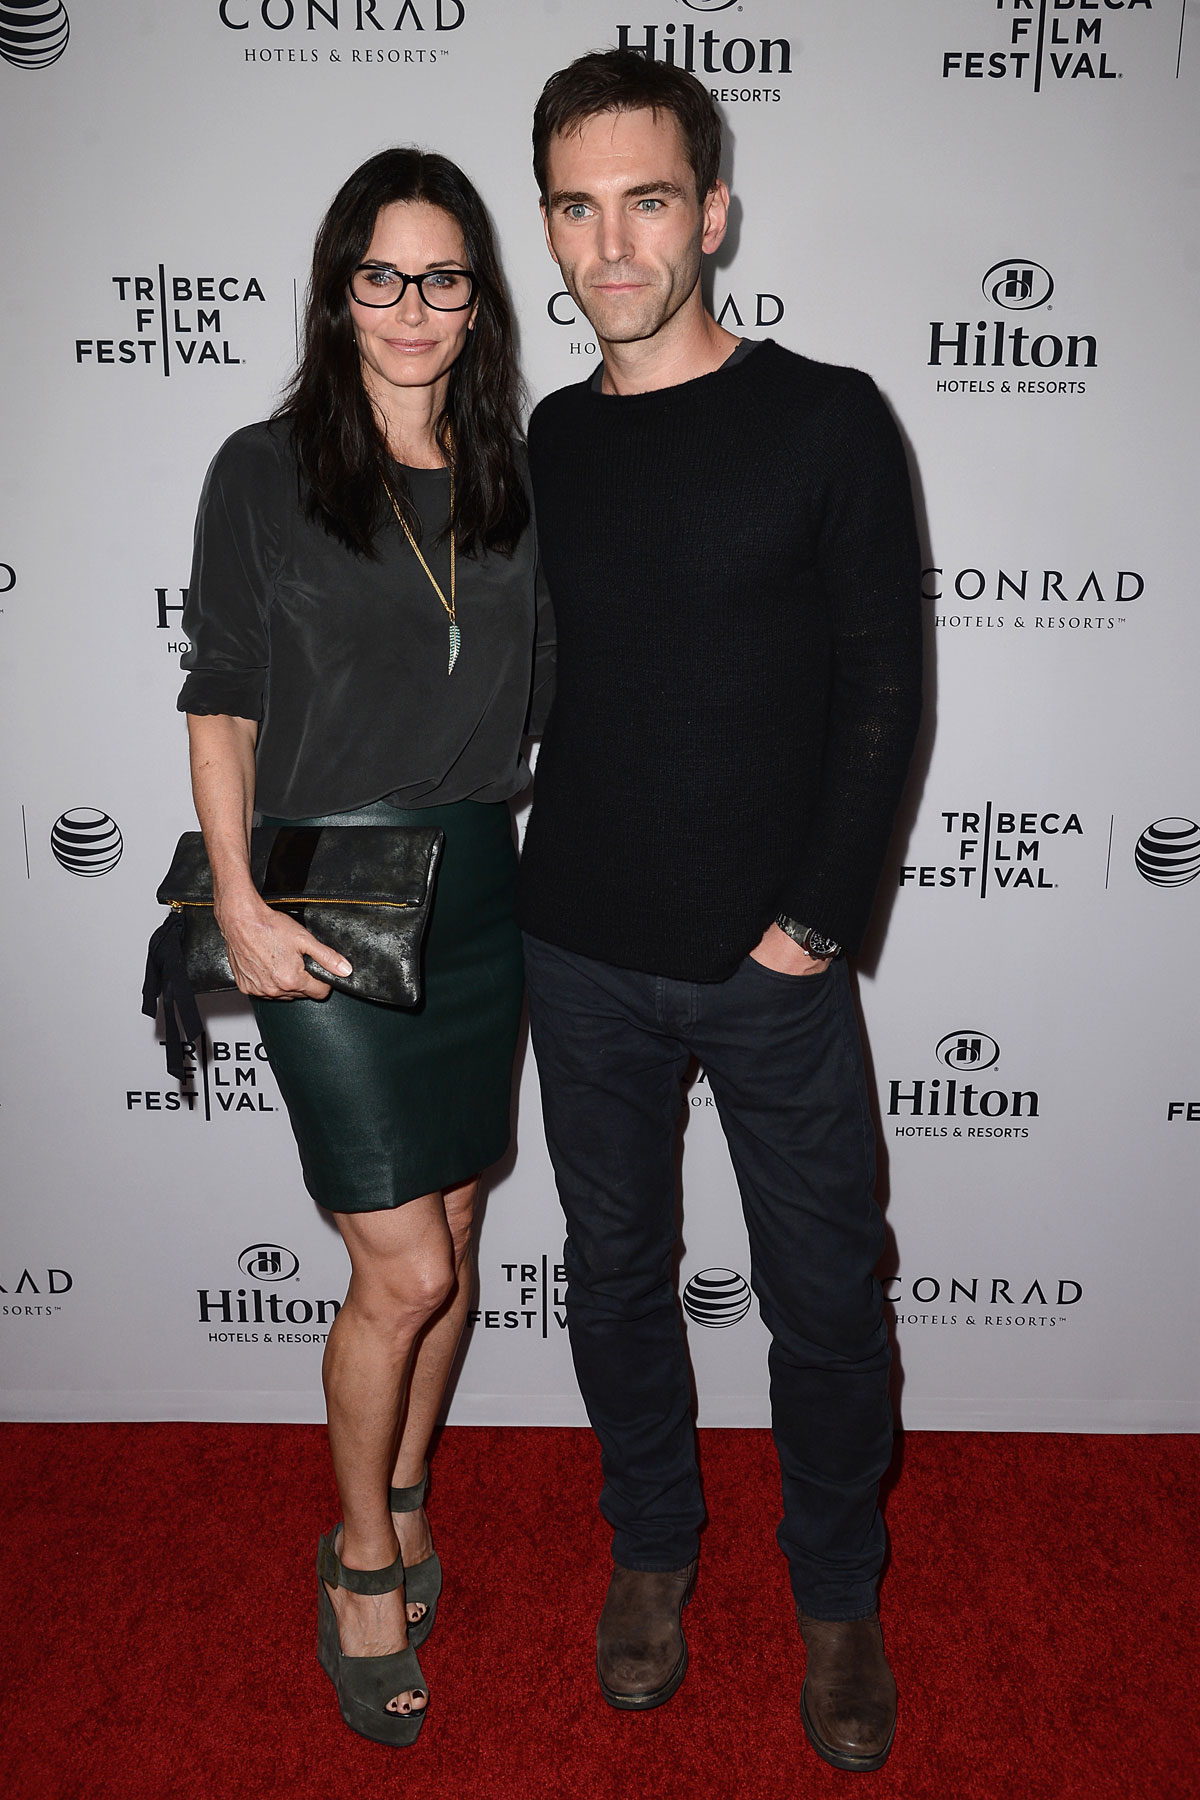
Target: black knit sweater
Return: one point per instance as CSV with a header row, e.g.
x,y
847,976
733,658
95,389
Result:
x,y
736,580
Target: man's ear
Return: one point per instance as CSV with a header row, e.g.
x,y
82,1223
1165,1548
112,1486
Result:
x,y
716,217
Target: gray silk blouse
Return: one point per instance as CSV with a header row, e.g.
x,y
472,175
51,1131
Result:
x,y
343,659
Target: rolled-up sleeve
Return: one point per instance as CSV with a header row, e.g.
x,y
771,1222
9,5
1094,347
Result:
x,y
235,559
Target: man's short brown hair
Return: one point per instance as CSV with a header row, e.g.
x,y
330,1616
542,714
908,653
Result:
x,y
612,81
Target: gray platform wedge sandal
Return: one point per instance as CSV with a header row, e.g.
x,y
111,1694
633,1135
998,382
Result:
x,y
365,1684
423,1580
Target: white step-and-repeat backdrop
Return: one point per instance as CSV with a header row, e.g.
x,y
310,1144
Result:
x,y
989,204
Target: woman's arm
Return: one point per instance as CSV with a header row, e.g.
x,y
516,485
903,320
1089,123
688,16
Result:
x,y
266,948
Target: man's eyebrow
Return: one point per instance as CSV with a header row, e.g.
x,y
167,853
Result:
x,y
643,190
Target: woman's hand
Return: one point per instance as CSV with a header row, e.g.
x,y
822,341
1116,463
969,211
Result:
x,y
267,951
266,948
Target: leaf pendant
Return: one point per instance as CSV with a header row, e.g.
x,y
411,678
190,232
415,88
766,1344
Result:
x,y
455,644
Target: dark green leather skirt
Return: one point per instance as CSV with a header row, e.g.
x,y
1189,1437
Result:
x,y
387,1103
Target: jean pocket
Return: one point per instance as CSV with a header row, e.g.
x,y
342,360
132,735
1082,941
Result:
x,y
814,978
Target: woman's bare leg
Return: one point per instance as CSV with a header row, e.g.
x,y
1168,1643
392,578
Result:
x,y
431,1365
403,1271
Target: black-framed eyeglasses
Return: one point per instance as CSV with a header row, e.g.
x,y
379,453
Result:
x,y
444,290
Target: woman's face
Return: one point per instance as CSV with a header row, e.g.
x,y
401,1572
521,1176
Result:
x,y
410,345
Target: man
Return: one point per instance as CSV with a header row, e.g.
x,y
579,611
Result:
x,y
728,535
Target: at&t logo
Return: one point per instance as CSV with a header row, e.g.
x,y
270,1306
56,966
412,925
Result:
x,y
1168,853
1018,285
86,841
717,1298
33,33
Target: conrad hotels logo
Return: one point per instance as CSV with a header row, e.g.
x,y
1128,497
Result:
x,y
364,31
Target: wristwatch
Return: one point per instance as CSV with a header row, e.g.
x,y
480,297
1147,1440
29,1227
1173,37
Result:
x,y
808,937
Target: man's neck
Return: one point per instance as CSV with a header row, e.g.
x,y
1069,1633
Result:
x,y
684,349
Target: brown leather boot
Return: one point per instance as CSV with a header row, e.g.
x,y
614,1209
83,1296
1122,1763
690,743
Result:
x,y
848,1701
641,1652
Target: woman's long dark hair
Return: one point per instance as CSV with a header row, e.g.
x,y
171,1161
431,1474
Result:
x,y
340,447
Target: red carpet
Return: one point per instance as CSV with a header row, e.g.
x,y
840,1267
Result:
x,y
159,1639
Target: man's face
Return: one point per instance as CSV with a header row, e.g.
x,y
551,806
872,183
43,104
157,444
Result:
x,y
624,224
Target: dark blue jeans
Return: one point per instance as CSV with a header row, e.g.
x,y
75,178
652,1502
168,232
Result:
x,y
784,1063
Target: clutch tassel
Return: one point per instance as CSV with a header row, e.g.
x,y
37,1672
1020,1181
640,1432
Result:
x,y
167,976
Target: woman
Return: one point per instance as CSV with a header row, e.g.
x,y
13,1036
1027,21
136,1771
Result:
x,y
362,618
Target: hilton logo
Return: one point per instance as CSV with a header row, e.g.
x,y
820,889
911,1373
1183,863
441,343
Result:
x,y
717,1298
250,1306
1168,853
33,33
1018,285
1045,41
86,842
268,1262
704,53
967,1052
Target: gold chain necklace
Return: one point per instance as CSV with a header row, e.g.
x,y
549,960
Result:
x,y
455,633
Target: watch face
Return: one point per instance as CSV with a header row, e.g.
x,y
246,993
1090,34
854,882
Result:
x,y
820,945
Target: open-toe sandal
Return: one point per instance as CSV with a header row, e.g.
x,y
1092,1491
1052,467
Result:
x,y
365,1684
423,1580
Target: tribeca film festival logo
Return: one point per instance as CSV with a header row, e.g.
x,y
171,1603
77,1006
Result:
x,y
705,52
86,842
1015,284
991,850
1047,42
1167,853
314,20
176,321
1069,601
738,310
998,1300
268,1315
33,33
958,1105
536,1299
231,1075
717,1299
31,1294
